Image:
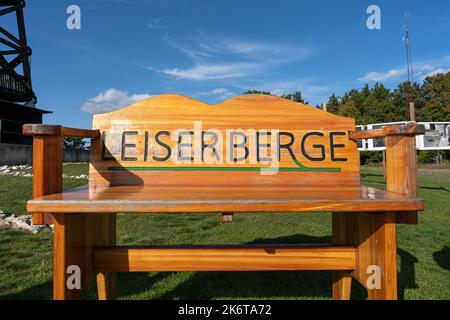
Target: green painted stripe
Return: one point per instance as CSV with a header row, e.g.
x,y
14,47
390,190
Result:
x,y
237,169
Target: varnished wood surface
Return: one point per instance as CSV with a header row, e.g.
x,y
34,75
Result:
x,y
389,131
223,258
47,171
401,171
141,199
75,237
249,112
80,133
342,280
364,230
56,130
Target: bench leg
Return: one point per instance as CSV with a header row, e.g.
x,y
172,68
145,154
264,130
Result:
x,y
75,236
69,257
342,285
377,255
107,281
374,236
106,285
227,217
342,280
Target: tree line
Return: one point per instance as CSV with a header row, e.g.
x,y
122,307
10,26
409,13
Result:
x,y
379,104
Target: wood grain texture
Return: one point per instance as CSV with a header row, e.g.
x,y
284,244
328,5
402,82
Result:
x,y
377,246
374,236
389,131
232,258
80,133
342,285
401,171
68,249
140,199
41,130
318,171
106,285
75,237
56,130
169,113
47,171
342,280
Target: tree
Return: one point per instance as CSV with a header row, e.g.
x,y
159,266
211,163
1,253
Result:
x,y
74,143
348,109
257,92
333,104
296,97
405,93
436,97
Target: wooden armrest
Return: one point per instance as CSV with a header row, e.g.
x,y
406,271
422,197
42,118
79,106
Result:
x,y
409,129
48,159
52,130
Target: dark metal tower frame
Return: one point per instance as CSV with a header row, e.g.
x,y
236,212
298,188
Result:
x,y
14,86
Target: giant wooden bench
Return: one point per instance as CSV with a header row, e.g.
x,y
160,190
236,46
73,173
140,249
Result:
x,y
172,154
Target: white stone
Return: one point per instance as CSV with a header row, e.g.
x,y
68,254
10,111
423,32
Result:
x,y
10,219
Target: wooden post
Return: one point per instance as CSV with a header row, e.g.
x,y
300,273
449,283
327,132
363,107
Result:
x,y
412,112
401,175
47,170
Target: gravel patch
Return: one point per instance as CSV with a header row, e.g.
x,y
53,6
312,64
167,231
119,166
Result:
x,y
17,171
23,222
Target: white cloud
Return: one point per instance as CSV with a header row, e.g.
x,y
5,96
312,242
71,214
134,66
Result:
x,y
280,52
214,71
421,69
221,93
380,76
310,90
205,46
110,100
217,58
435,72
156,25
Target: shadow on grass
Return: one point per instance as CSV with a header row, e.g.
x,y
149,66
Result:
x,y
441,188
263,285
364,175
42,291
442,257
247,285
406,273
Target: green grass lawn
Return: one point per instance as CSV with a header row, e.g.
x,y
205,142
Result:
x,y
424,250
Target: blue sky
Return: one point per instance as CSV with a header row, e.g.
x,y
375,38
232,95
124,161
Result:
x,y
127,50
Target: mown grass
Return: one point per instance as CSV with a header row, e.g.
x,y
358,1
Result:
x,y
424,253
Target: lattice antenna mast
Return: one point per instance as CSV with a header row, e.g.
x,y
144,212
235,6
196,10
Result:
x,y
409,64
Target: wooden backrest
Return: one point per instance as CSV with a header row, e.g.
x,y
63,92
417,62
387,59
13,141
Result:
x,y
172,140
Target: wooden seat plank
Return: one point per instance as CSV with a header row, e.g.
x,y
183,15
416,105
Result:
x,y
145,199
224,258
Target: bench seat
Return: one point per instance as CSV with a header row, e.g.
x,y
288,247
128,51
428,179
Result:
x,y
164,199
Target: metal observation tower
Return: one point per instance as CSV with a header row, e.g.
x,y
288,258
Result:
x,y
17,98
